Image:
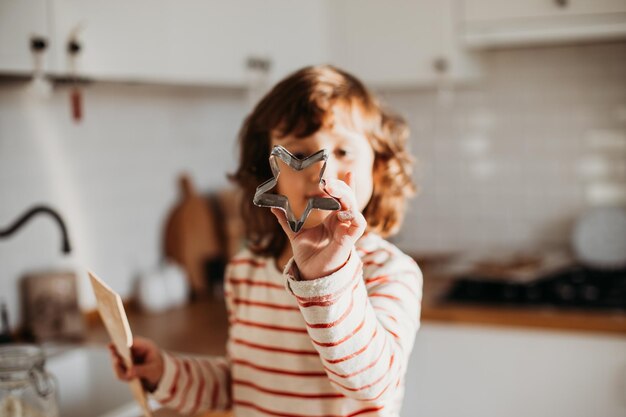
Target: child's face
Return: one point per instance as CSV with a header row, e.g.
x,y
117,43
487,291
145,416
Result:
x,y
349,151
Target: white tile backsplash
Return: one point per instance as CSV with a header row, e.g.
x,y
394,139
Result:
x,y
112,177
511,148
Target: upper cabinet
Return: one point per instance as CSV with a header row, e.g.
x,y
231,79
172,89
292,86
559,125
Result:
x,y
191,42
493,23
214,42
399,43
23,32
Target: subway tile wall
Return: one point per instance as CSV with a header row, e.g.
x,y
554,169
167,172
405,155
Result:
x,y
513,161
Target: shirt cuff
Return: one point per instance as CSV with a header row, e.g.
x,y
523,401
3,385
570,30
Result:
x,y
163,390
329,285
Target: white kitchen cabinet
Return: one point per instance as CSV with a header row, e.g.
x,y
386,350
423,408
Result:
x,y
209,42
399,43
492,23
21,21
190,42
475,371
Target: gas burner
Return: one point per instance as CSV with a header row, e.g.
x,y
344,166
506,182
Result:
x,y
575,288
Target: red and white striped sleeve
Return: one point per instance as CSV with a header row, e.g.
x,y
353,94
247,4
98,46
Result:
x,y
363,327
194,384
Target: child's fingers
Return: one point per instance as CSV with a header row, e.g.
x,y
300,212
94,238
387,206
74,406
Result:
x,y
141,346
123,373
342,192
358,225
353,223
349,217
119,368
143,350
142,371
114,353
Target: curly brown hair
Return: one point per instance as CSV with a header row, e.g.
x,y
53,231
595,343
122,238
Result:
x,y
300,105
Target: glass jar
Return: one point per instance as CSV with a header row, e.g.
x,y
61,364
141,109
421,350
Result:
x,y
26,389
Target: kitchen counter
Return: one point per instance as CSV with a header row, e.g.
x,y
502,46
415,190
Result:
x,y
201,327
437,284
530,317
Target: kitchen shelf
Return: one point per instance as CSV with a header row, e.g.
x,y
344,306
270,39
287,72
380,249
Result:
x,y
62,80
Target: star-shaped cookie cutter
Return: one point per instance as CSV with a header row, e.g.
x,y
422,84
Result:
x,y
263,198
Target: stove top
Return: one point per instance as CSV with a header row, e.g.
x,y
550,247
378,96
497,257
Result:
x,y
576,288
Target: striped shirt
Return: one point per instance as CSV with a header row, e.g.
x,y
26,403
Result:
x,y
333,346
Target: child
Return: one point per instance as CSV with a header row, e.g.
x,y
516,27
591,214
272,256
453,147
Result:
x,y
330,335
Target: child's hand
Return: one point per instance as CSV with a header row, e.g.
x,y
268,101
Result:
x,y
147,363
323,249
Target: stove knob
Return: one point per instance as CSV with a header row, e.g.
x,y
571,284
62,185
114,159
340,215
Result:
x,y
565,292
589,292
533,293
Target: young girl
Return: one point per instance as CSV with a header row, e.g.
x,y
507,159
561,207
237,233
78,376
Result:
x,y
322,322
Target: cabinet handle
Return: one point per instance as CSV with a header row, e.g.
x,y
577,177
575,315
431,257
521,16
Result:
x,y
257,63
441,65
73,47
38,43
73,44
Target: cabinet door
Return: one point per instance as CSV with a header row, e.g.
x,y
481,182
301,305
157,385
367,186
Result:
x,y
492,23
119,40
492,372
397,43
226,33
20,20
190,42
292,34
494,9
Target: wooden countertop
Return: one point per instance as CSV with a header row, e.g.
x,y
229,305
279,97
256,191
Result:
x,y
433,309
436,284
200,327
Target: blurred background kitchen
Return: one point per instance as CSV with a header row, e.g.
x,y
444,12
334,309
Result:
x,y
120,119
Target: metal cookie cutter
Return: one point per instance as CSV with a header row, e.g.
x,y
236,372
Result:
x,y
264,199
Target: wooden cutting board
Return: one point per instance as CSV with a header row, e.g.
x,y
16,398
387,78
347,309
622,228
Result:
x,y
114,318
192,236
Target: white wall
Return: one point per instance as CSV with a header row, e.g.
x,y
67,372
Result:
x,y
112,177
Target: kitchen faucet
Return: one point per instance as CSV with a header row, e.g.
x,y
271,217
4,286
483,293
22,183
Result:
x,y
7,232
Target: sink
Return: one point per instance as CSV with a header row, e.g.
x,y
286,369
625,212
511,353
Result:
x,y
87,385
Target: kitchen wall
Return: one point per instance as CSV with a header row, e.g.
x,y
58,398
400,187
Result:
x,y
513,161
112,176
509,162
